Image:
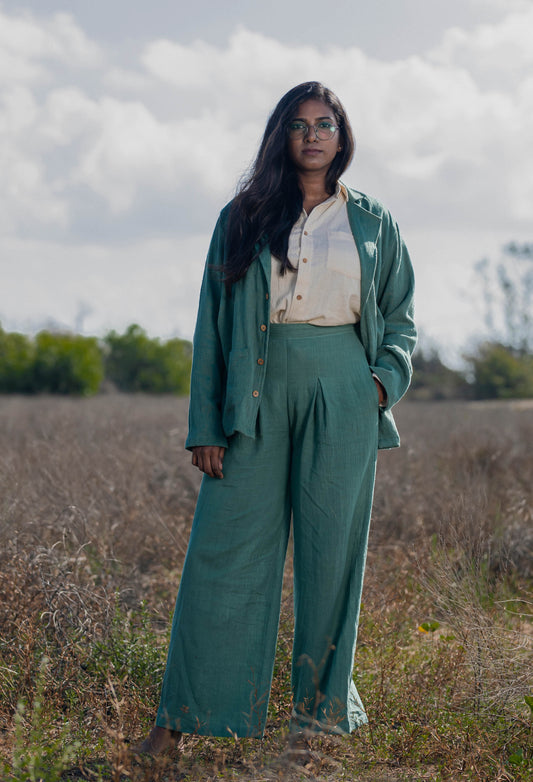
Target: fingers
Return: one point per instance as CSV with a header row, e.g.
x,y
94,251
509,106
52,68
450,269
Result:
x,y
380,392
382,396
209,459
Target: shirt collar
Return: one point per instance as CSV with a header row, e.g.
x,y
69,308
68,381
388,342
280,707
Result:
x,y
340,193
340,190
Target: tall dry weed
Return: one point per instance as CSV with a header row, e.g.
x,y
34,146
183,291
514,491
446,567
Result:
x,y
96,502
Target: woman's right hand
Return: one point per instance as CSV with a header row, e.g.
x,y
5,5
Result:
x,y
209,459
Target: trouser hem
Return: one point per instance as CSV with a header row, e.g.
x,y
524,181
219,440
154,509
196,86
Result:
x,y
301,723
205,729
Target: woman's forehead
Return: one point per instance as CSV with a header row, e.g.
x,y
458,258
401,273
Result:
x,y
313,109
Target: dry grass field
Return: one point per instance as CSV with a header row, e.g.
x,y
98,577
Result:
x,y
96,500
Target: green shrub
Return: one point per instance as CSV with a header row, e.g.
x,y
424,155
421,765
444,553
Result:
x,y
39,756
17,356
67,364
499,372
134,362
50,363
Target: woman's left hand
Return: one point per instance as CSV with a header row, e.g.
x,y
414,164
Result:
x,y
209,459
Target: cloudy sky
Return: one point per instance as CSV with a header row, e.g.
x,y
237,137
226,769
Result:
x,y
125,125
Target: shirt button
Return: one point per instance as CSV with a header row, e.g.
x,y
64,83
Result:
x,y
304,260
305,233
299,297
260,361
266,295
255,394
263,327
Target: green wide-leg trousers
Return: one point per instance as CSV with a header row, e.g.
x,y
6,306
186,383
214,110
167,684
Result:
x,y
314,457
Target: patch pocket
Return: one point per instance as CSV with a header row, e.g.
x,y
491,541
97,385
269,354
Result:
x,y
343,257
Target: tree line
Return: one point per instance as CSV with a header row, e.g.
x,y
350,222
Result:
x,y
500,367
492,371
65,363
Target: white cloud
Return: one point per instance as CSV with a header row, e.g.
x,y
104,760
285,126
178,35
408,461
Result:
x,y
124,81
431,120
224,71
499,55
194,115
67,114
19,110
29,44
146,143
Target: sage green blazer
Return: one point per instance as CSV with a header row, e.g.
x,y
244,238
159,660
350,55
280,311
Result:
x,y
230,347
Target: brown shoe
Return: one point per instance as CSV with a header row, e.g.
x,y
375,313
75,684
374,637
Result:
x,y
158,741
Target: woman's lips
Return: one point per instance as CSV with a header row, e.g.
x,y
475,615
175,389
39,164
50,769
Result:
x,y
312,152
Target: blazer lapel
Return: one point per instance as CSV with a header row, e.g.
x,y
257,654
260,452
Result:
x,y
365,229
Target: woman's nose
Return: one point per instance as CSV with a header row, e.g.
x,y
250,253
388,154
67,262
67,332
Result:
x,y
311,133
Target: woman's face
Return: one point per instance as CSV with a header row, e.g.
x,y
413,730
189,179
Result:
x,y
309,153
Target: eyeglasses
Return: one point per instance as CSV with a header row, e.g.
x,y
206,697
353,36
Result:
x,y
323,130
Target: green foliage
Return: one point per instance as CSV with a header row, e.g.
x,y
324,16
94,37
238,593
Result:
x,y
429,627
17,356
131,651
134,362
37,757
499,372
50,363
502,367
67,364
55,363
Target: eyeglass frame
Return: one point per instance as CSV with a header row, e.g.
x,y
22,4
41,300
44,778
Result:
x,y
308,127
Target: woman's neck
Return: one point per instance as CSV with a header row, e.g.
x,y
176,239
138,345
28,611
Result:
x,y
314,191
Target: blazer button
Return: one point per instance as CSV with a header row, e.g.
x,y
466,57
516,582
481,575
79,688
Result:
x,y
260,361
255,394
263,327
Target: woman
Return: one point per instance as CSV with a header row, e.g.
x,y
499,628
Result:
x,y
301,348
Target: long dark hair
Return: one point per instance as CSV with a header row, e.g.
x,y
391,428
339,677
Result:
x,y
269,200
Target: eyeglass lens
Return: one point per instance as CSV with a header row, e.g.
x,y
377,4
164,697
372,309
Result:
x,y
323,130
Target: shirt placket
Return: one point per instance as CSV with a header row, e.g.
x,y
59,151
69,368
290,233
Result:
x,y
303,274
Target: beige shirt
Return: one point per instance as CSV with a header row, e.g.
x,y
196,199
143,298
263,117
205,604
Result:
x,y
325,290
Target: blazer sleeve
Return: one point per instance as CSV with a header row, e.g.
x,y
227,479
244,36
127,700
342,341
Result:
x,y
395,314
208,374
